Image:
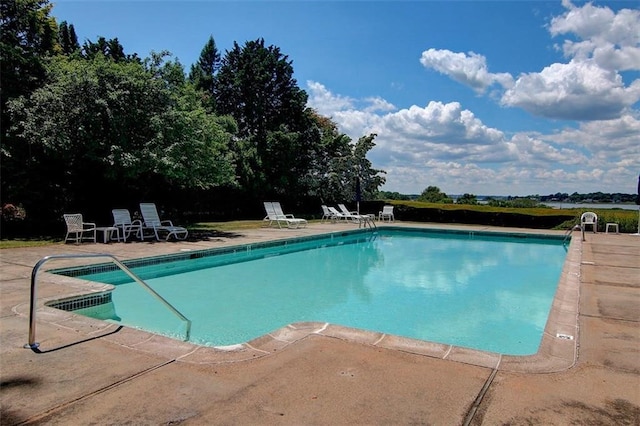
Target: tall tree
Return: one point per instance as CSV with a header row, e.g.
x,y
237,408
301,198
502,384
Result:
x,y
73,39
111,49
338,163
67,38
203,72
105,130
255,85
28,36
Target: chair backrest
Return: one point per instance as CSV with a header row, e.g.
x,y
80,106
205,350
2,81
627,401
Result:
x,y
387,210
150,214
74,222
121,217
277,208
325,210
335,212
588,217
344,209
268,207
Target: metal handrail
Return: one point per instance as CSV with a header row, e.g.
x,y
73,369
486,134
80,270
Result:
x,y
370,222
32,312
576,227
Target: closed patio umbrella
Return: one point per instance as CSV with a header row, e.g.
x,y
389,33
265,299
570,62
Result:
x,y
358,194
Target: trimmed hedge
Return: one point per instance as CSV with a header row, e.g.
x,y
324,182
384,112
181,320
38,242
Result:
x,y
480,216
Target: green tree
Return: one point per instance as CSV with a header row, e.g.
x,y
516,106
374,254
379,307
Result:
x,y
67,38
338,163
467,199
255,85
111,49
432,194
103,132
203,72
28,36
391,195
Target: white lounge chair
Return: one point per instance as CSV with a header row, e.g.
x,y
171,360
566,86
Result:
x,y
589,218
126,226
336,214
354,215
386,213
276,215
151,220
328,214
78,228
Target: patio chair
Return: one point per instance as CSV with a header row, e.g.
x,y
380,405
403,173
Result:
x,y
276,215
79,230
122,221
328,214
336,214
354,215
151,220
345,210
589,218
386,213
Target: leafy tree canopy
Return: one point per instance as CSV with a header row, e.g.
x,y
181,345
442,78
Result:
x,y
85,126
432,194
467,199
127,126
203,72
68,39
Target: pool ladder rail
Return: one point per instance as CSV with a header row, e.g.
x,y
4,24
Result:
x,y
32,344
567,234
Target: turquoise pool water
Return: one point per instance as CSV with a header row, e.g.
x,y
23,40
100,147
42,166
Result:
x,y
475,290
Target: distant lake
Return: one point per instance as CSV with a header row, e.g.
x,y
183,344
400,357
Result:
x,y
557,205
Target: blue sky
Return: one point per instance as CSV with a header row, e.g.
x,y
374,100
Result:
x,y
482,97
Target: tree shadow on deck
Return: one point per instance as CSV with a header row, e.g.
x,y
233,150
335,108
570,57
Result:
x,y
210,235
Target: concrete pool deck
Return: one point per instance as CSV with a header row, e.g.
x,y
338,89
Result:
x,y
92,372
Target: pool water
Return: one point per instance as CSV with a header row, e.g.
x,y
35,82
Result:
x,y
480,291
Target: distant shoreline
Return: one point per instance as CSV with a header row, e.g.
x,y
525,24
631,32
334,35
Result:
x,y
559,205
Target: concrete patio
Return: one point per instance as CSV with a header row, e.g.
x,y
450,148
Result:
x,y
91,372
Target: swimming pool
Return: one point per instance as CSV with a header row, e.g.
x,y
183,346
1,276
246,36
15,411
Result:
x,y
485,291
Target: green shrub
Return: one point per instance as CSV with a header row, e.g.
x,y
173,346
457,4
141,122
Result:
x,y
529,217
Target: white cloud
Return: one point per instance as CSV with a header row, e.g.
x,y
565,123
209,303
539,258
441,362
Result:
x,y
470,69
609,141
379,104
326,102
588,87
579,90
445,145
611,39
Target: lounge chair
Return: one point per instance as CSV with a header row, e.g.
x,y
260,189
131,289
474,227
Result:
x,y
336,214
276,215
345,210
81,230
589,218
151,220
126,226
386,213
328,214
354,216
